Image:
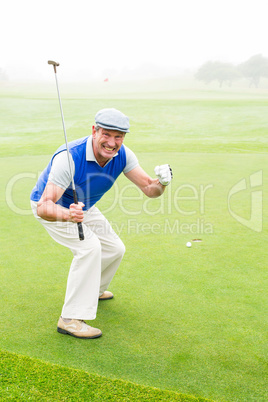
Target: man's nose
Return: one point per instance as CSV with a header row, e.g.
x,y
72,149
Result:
x,y
111,142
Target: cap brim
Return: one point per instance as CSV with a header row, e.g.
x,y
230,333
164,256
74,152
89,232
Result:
x,y
115,128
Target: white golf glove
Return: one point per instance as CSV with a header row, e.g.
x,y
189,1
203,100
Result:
x,y
164,174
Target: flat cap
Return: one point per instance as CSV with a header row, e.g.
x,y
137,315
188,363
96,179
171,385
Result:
x,y
112,119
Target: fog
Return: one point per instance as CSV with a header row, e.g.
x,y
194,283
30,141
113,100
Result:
x,y
94,40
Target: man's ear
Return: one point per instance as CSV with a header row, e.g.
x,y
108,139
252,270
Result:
x,y
94,132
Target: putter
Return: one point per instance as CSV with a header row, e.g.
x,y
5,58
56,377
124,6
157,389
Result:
x,y
79,224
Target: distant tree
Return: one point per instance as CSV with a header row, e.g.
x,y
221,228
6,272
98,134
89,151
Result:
x,y
255,68
206,72
3,75
216,70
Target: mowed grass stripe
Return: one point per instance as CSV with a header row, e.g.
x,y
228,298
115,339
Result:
x,y
24,378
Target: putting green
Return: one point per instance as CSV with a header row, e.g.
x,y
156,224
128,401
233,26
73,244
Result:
x,y
190,320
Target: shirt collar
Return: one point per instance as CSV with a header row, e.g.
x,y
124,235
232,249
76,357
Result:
x,y
90,153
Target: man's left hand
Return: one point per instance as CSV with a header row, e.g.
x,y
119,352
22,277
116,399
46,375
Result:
x,y
164,174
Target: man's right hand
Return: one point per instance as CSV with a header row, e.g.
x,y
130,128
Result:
x,y
76,212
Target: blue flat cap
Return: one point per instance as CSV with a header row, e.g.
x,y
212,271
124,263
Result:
x,y
112,119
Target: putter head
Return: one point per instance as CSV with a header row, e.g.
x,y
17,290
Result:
x,y
54,64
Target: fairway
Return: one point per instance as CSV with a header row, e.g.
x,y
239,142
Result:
x,y
187,320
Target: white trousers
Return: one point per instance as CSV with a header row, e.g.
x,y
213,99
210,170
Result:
x,y
95,261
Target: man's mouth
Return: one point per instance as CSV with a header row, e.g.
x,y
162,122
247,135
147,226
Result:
x,y
109,149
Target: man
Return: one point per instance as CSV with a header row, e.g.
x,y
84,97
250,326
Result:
x,y
96,162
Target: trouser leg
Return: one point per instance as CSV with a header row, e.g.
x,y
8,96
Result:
x,y
112,247
82,293
81,298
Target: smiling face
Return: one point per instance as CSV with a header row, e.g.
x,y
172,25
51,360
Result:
x,y
106,143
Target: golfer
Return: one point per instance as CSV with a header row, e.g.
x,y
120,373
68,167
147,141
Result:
x,y
96,162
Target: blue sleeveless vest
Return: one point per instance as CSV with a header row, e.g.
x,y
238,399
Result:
x,y
91,180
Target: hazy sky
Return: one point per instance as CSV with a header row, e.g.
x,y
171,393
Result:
x,y
89,36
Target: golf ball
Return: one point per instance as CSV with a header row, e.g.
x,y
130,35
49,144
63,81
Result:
x,y
189,244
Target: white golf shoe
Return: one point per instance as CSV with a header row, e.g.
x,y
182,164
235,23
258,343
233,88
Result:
x,y
78,329
106,295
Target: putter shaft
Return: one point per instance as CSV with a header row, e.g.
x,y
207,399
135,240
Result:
x,y
79,224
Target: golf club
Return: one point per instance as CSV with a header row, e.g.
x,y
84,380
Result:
x,y
79,224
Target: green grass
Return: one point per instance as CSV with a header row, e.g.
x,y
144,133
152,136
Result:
x,y
191,321
23,378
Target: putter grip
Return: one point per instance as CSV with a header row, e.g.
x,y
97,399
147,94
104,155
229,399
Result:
x,y
79,224
80,231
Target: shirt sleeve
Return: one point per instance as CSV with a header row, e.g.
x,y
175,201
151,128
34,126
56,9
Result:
x,y
132,160
60,171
